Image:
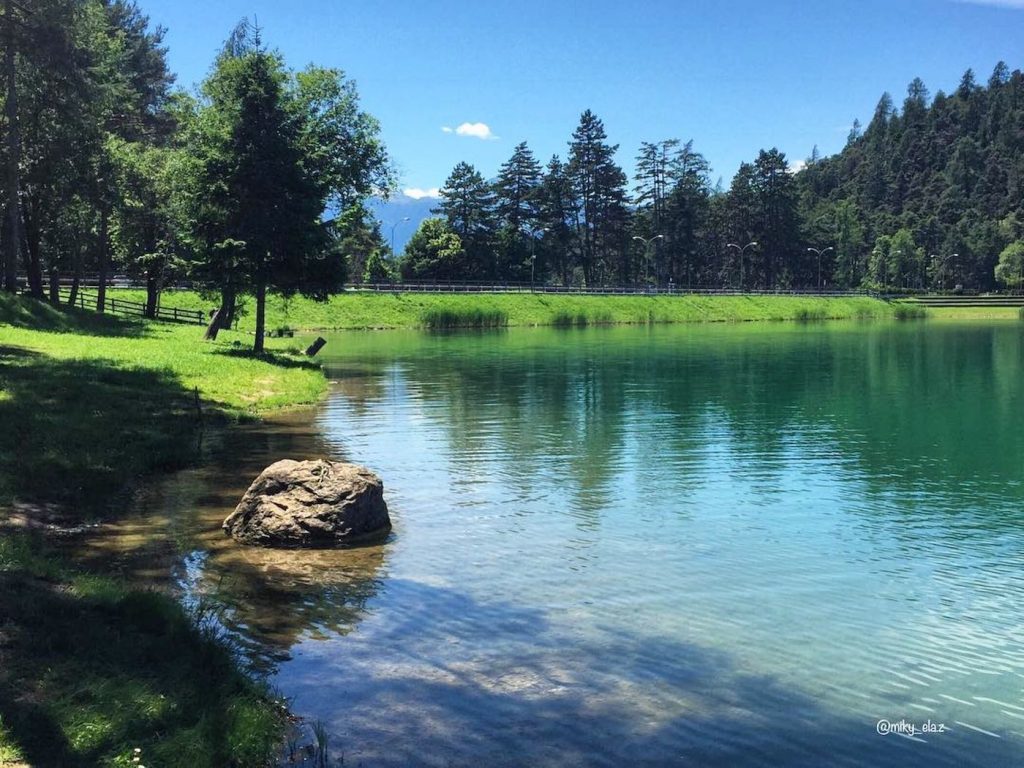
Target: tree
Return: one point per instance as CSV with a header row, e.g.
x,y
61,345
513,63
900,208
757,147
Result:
x,y
516,208
359,239
1010,269
467,203
599,205
947,170
268,143
434,252
515,189
378,269
146,234
555,217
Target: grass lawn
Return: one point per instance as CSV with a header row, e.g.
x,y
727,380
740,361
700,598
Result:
x,y
89,668
974,313
359,310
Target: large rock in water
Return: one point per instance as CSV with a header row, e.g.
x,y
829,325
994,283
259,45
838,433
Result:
x,y
311,504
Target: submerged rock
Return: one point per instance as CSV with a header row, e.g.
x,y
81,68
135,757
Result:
x,y
311,504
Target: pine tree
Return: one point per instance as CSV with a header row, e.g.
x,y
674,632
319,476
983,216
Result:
x,y
516,206
467,203
598,186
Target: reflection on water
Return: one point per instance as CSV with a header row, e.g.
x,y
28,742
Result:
x,y
271,599
649,546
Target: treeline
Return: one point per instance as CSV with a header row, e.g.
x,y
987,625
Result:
x,y
928,196
254,182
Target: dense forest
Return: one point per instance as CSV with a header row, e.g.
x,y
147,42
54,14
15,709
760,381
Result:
x,y
253,182
257,180
928,196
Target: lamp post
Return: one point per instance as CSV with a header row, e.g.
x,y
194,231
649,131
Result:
x,y
742,250
820,251
393,233
647,252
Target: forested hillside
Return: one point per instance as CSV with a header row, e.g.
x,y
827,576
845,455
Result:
x,y
930,192
927,197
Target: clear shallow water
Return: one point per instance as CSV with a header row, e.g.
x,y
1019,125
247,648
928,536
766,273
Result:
x,y
648,546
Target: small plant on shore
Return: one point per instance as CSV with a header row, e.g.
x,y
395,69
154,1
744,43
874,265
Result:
x,y
440,319
810,314
322,756
909,312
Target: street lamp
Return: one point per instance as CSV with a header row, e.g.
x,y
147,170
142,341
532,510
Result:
x,y
647,252
393,233
819,252
742,251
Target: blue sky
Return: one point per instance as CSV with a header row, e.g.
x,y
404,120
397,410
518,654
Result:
x,y
733,75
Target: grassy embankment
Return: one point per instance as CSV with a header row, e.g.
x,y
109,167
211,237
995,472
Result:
x,y
89,668
356,310
975,313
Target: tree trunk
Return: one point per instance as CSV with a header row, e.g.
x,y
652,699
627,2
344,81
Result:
x,y
54,286
261,310
13,157
152,294
76,276
227,308
104,260
30,246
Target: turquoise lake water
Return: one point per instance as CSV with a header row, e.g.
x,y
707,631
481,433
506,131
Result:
x,y
729,545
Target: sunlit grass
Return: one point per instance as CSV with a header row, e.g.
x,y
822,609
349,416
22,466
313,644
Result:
x,y
357,310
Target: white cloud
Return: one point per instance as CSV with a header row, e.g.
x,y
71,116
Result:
x,y
418,194
476,130
797,165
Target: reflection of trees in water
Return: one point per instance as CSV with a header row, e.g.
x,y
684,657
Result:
x,y
913,405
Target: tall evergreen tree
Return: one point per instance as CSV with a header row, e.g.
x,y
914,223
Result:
x,y
467,203
599,189
516,207
556,215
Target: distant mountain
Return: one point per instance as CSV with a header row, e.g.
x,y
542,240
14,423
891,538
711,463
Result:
x,y
392,212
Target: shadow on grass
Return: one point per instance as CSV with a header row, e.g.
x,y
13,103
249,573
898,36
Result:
x,y
280,359
90,671
75,432
23,312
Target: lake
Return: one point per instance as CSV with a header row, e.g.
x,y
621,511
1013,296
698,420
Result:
x,y
692,545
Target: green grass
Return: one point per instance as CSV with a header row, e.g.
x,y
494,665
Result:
x,y
93,670
464,317
90,404
973,313
357,310
89,668
903,311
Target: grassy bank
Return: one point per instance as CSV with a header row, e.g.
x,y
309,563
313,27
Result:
x,y
975,313
90,669
357,310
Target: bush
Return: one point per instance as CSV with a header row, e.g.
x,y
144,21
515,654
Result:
x,y
465,318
